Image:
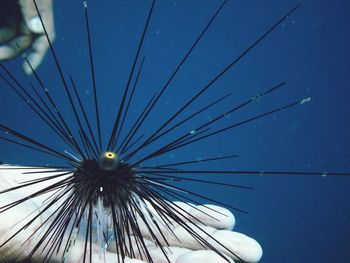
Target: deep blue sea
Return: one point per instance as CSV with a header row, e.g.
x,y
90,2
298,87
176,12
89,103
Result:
x,y
295,218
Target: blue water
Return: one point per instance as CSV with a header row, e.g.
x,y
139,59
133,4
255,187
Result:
x,y
294,218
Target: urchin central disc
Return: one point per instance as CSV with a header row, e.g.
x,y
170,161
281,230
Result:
x,y
108,161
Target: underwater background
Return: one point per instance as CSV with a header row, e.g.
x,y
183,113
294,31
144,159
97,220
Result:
x,y
294,218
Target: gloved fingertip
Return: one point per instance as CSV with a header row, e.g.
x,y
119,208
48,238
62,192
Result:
x,y
258,253
35,25
6,53
34,60
27,70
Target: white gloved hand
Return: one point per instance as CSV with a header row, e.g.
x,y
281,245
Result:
x,y
218,224
21,29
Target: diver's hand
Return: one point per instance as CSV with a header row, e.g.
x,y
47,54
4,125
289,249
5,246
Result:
x,y
217,222
21,29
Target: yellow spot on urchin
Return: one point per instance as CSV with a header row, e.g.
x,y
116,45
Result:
x,y
110,155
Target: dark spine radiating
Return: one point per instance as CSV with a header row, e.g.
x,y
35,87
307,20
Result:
x,y
93,78
113,137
